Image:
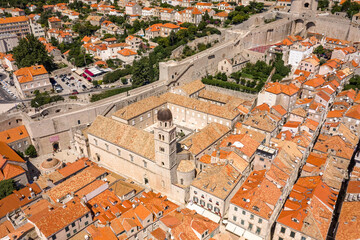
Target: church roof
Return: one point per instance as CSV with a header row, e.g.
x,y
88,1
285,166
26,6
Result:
x,y
135,140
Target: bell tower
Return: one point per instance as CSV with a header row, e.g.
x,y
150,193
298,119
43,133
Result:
x,y
165,140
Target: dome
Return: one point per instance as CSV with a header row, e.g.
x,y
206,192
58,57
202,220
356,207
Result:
x,y
50,163
164,115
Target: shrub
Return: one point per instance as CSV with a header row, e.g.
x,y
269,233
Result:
x,y
31,151
108,93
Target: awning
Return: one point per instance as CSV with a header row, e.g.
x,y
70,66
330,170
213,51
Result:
x,y
251,236
79,71
89,73
235,229
212,216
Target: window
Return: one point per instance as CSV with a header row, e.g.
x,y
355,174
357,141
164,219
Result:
x,y
78,121
292,234
209,206
195,199
95,141
133,122
131,158
217,210
243,212
250,226
67,229
282,230
145,164
234,218
258,230
235,209
242,222
202,203
260,220
107,147
195,192
303,238
119,152
141,118
54,237
262,159
73,224
162,149
68,235
251,217
280,238
75,231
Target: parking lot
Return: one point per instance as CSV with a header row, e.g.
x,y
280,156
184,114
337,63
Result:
x,y
70,84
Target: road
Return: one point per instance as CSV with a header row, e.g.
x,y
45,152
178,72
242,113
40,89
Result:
x,y
5,97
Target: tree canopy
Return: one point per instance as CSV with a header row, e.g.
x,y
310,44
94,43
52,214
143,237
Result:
x,y
6,187
31,51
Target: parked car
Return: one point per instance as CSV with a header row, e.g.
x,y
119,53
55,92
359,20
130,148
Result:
x,y
83,86
74,92
72,78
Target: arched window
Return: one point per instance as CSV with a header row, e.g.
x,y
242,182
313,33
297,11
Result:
x,y
159,136
182,181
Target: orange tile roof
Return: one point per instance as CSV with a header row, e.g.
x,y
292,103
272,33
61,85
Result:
x,y
242,142
101,233
60,217
54,19
188,225
170,25
349,221
221,14
18,199
127,52
26,74
302,72
353,112
316,212
7,153
277,88
72,168
205,159
10,171
13,20
14,134
159,234
254,193
279,109
154,27
76,182
335,114
262,107
342,149
315,82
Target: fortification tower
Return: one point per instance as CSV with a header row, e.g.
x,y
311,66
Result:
x,y
301,6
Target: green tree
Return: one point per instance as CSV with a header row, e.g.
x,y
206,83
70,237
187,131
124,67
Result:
x,y
31,151
323,4
140,75
6,187
31,51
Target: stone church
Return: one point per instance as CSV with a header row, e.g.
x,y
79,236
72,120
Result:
x,y
148,158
